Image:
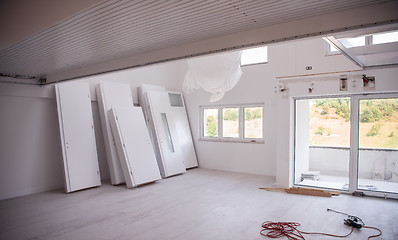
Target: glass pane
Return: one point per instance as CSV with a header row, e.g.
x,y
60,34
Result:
x,y
167,132
332,49
176,100
330,122
210,122
322,140
353,42
253,122
378,145
230,122
385,37
254,56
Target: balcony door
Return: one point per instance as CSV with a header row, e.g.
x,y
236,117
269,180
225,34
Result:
x,y
378,144
347,143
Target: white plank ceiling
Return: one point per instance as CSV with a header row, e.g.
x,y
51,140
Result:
x,y
121,28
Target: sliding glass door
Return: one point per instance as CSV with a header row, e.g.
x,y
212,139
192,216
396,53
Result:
x,y
347,143
322,142
378,144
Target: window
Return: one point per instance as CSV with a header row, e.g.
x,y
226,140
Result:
x,y
237,123
347,143
176,100
210,122
353,42
230,122
347,42
254,56
332,49
368,40
329,122
253,122
385,37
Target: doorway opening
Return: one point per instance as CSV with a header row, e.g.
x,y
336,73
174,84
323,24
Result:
x,y
347,143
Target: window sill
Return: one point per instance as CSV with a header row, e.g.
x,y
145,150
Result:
x,y
333,53
232,140
253,64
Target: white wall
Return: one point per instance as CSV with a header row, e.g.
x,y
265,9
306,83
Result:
x,y
257,85
30,150
254,87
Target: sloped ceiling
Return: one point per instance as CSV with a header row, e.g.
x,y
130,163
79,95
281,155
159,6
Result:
x,y
140,32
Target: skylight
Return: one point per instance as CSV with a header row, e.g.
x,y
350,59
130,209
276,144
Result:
x,y
254,56
353,42
376,49
385,37
365,41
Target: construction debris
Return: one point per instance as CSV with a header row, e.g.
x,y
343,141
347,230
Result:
x,y
304,191
274,189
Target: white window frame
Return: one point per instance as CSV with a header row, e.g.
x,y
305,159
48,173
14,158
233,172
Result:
x,y
354,140
221,138
330,53
368,43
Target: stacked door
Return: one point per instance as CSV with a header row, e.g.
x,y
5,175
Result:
x,y
134,146
111,94
173,104
166,139
79,149
184,131
143,101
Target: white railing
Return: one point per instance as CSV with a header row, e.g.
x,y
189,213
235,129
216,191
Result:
x,y
374,163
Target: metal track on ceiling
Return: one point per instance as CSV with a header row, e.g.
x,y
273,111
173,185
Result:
x,y
120,28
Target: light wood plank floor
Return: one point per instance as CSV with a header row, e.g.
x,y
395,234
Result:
x,y
200,204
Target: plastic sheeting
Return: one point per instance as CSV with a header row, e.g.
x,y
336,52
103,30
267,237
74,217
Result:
x,y
215,74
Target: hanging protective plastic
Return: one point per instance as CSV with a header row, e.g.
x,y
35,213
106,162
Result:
x,y
215,74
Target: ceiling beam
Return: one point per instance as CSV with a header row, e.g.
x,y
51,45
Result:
x,y
323,25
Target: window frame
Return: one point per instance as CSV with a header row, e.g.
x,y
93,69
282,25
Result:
x,y
244,121
202,126
328,52
221,125
221,138
354,139
368,43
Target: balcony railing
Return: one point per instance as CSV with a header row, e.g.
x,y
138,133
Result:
x,y
374,163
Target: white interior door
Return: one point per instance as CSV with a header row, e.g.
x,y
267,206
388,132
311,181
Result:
x,y
171,160
134,146
79,149
184,130
143,101
110,94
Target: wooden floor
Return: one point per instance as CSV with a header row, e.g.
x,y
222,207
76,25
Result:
x,y
200,204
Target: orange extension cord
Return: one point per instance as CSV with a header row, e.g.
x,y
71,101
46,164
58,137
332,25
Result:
x,y
289,230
